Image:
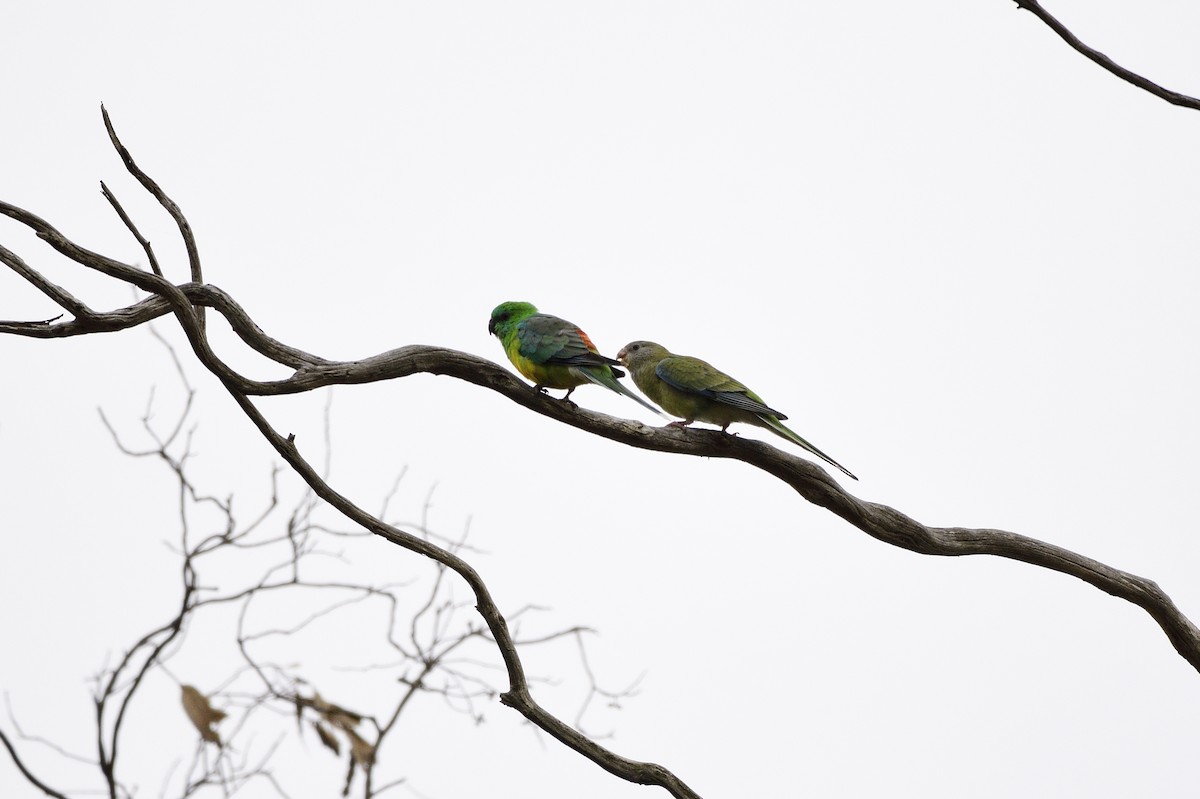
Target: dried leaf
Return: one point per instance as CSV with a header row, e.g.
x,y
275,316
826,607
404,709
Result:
x,y
202,714
327,738
361,752
335,715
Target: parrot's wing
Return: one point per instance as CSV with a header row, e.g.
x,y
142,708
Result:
x,y
700,377
546,339
746,402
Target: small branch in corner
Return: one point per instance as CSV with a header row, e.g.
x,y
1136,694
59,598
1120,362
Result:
x,y
1175,98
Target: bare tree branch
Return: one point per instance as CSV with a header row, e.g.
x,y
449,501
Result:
x,y
807,479
433,640
64,298
33,780
185,229
518,696
112,200
1173,97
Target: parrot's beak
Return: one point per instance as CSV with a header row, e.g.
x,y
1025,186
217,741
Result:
x,y
492,327
622,355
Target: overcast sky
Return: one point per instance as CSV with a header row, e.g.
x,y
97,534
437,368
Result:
x,y
957,254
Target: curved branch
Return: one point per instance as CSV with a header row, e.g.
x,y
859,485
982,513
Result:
x,y
806,478
29,775
1173,97
239,388
87,321
809,480
518,696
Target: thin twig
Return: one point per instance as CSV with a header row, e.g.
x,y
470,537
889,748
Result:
x,y
21,734
112,200
33,780
185,229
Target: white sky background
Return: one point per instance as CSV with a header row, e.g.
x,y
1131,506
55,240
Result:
x,y
959,256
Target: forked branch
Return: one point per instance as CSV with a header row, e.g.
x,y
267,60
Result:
x,y
184,301
311,372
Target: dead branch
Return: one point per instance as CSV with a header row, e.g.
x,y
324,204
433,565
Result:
x,y
25,772
437,632
518,696
1173,97
185,229
807,479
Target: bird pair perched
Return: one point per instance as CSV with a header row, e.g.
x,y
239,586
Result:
x,y
554,353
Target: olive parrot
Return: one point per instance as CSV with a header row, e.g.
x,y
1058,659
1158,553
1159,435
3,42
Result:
x,y
696,390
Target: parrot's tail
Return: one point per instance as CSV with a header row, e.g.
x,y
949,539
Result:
x,y
780,429
612,384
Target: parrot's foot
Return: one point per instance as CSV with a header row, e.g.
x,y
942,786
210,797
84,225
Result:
x,y
680,423
565,398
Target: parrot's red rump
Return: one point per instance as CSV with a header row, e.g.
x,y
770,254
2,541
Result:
x,y
587,341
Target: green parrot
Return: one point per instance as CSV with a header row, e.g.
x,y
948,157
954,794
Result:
x,y
695,389
554,353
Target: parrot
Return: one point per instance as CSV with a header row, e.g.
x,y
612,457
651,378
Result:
x,y
554,353
695,389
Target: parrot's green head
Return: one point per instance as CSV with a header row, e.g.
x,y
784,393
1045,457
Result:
x,y
507,315
640,354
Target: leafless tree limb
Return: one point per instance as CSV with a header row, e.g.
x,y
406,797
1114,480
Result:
x,y
810,481
518,695
25,772
1173,97
22,735
432,637
137,234
185,229
55,292
594,689
807,479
